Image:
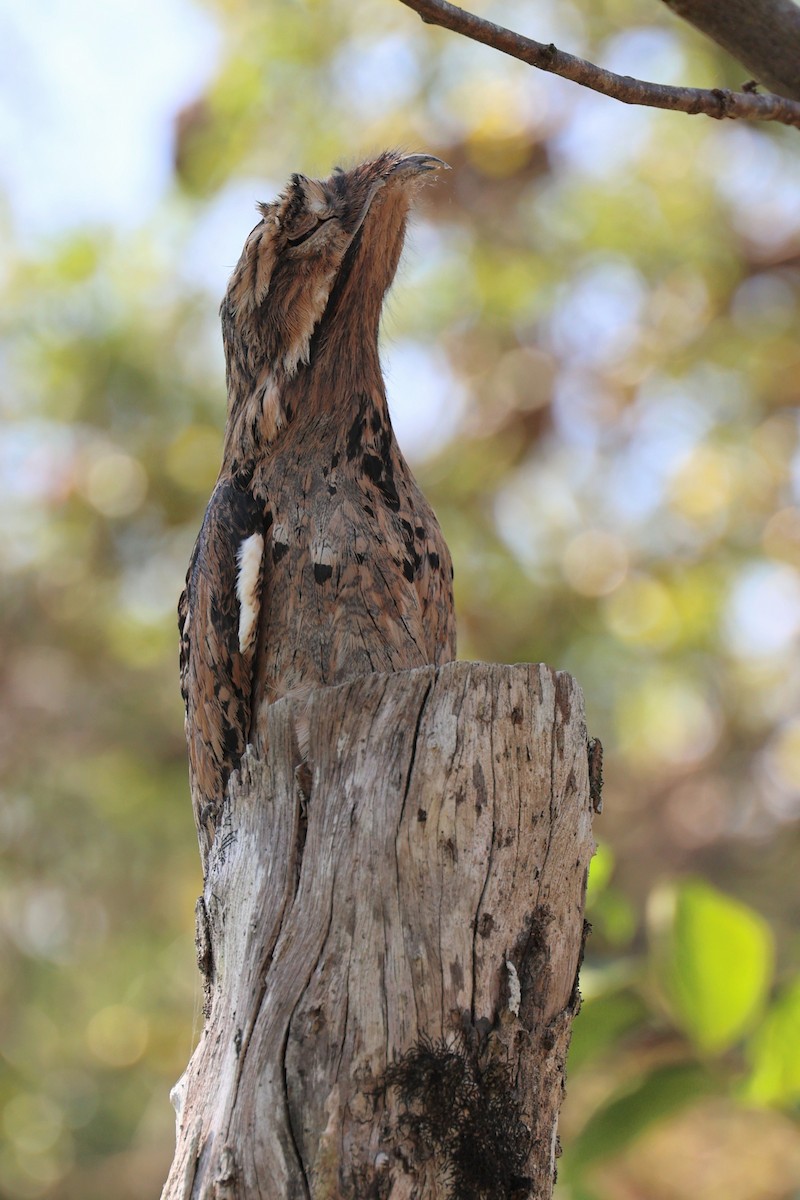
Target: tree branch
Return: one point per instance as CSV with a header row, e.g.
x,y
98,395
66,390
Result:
x,y
717,102
763,35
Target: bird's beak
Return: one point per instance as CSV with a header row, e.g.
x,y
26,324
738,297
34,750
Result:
x,y
419,164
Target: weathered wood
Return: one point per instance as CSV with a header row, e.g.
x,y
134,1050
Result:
x,y
413,898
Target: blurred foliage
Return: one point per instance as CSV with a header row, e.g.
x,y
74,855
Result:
x,y
592,350
715,964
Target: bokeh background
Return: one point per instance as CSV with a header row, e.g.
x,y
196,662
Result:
x,y
593,363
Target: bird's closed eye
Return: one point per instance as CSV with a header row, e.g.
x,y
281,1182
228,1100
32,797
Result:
x,y
303,237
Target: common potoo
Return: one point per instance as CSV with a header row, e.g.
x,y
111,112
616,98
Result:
x,y
318,559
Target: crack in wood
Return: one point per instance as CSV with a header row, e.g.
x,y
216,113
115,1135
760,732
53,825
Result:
x,y
339,945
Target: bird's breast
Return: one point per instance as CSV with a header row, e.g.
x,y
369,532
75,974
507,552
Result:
x,y
357,575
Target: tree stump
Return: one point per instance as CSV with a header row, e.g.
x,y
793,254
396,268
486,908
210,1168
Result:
x,y
391,936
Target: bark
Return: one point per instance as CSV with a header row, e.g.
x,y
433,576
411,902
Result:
x,y
763,35
391,937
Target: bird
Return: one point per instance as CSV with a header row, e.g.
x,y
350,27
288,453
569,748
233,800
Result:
x,y
318,559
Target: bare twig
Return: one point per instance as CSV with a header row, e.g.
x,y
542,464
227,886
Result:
x,y
717,102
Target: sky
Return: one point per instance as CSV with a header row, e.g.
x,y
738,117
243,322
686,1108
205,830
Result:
x,y
88,91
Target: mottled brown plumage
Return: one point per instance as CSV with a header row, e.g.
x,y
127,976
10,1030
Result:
x,y
318,559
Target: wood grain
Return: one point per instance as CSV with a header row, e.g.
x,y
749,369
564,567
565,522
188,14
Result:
x,y
422,886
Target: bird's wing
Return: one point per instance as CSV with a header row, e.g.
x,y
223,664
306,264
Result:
x,y
218,616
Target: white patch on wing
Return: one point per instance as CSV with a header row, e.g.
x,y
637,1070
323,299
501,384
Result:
x,y
248,588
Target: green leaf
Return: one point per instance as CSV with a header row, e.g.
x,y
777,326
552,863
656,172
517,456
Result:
x,y
611,913
774,1051
664,1092
714,957
601,1023
601,869
614,917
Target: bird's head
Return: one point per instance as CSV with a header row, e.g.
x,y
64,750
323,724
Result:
x,y
319,260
